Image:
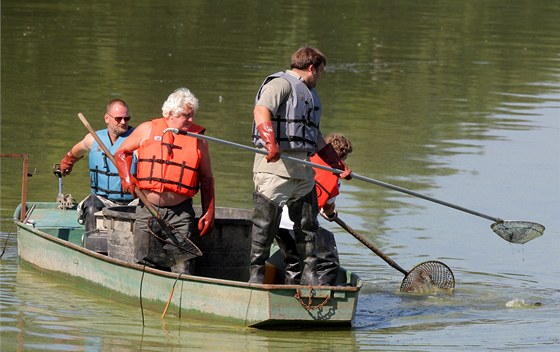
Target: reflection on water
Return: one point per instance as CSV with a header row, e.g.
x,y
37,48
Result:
x,y
457,100
55,313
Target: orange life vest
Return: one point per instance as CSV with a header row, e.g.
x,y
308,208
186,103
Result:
x,y
169,162
326,183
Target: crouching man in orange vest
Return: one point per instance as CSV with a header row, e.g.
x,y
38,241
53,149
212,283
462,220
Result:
x,y
327,185
171,169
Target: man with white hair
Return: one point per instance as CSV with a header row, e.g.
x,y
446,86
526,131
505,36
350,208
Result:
x,y
171,169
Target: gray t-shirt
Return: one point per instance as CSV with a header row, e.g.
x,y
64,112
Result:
x,y
275,93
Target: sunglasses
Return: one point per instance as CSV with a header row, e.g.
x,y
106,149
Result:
x,y
120,118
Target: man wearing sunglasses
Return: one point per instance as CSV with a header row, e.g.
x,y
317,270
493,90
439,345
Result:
x,y
106,187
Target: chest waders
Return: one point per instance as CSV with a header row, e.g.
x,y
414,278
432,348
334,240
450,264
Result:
x,y
303,212
266,220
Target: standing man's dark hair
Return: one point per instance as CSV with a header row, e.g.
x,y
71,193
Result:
x,y
306,56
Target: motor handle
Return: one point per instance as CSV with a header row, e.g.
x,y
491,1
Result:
x,y
57,171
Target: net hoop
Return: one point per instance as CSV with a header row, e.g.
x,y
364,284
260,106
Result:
x,y
429,277
518,232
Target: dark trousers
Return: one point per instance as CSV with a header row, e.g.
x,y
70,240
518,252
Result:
x,y
181,220
327,257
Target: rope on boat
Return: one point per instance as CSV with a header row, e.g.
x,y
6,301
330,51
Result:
x,y
170,296
309,305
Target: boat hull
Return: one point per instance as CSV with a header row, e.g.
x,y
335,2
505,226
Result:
x,y
51,248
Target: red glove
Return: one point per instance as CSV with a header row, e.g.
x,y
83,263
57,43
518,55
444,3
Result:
x,y
206,221
67,163
123,160
267,134
329,155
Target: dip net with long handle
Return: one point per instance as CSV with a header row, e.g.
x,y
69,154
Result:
x,y
513,231
429,277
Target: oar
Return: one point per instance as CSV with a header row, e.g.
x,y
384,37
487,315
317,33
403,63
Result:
x,y
191,247
512,231
423,277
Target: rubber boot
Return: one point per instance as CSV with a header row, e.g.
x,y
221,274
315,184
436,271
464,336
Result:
x,y
327,258
303,213
266,220
287,244
308,252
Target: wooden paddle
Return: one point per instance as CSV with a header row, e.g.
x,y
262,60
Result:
x,y
192,248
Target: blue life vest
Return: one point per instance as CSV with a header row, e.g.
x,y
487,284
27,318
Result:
x,y
296,123
105,180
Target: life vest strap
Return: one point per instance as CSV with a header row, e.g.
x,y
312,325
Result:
x,y
162,180
153,161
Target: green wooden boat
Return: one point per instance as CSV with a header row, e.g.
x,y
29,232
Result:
x,y
51,239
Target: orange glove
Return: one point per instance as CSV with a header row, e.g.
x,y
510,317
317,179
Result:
x,y
123,159
267,134
206,221
67,163
329,155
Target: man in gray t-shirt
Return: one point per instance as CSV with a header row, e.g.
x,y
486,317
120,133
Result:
x,y
286,120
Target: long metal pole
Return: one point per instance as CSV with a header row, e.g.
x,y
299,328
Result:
x,y
353,174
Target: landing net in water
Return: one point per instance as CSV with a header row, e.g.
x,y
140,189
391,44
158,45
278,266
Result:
x,y
429,277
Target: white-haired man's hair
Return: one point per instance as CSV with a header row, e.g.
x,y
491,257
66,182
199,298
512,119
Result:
x,y
174,104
